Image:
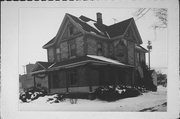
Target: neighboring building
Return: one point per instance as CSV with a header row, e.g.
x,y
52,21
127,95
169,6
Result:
x,y
27,80
86,54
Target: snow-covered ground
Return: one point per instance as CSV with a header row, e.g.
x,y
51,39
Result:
x,y
151,101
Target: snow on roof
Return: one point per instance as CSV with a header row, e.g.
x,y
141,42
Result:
x,y
91,23
106,59
141,48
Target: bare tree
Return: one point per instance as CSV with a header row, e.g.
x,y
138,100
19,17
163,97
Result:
x,y
160,13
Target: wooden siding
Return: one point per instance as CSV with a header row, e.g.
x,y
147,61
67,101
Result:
x,y
79,46
91,46
131,53
64,50
120,50
51,55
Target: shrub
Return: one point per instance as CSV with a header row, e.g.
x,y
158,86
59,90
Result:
x,y
32,94
109,93
161,79
57,98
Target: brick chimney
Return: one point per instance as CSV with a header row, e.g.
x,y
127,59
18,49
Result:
x,y
99,18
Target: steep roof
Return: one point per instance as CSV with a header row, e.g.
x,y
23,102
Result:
x,y
88,24
79,62
118,28
91,26
41,66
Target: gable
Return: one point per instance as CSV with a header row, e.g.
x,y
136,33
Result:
x,y
132,33
69,30
64,31
118,28
86,25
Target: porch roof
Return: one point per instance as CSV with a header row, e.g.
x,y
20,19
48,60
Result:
x,y
82,61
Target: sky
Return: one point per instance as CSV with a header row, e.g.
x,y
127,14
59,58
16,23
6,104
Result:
x,y
39,25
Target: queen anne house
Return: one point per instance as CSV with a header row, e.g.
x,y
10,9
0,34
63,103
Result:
x,y
86,54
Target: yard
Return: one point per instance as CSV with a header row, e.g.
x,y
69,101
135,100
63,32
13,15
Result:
x,y
150,101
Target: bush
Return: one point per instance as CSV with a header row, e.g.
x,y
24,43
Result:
x,y
32,94
161,79
109,93
57,98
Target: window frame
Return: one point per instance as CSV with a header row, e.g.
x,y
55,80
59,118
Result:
x,y
73,77
72,51
100,49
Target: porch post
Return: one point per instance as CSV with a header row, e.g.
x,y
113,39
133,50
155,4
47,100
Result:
x,y
49,82
133,77
34,81
67,79
115,78
87,72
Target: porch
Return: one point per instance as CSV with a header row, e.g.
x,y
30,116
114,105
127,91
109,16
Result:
x,y
85,74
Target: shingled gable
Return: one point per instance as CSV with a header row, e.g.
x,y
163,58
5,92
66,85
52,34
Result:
x,y
60,31
87,25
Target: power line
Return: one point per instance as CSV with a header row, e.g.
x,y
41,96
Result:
x,y
143,14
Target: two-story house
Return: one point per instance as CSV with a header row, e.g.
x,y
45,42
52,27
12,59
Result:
x,y
86,54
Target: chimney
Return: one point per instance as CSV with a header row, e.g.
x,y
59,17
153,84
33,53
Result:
x,y
99,18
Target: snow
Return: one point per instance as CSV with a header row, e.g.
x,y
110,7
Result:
x,y
106,59
90,23
151,101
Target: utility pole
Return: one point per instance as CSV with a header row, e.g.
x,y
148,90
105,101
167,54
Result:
x,y
149,46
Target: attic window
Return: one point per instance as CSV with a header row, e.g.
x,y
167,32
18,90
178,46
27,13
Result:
x,y
71,30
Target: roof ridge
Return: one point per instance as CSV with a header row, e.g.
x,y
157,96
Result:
x,y
122,21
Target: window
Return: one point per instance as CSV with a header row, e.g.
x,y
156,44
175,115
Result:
x,y
73,77
138,57
50,54
71,30
55,80
58,54
99,49
72,48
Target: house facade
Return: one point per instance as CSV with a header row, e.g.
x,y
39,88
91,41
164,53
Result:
x,y
86,54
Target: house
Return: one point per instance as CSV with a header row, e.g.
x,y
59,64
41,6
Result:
x,y
86,54
27,80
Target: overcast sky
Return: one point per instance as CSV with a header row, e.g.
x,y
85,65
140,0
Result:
x,y
39,25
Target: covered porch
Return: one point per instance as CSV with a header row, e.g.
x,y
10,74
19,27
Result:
x,y
85,74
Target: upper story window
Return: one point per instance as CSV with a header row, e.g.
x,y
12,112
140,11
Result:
x,y
50,55
138,56
72,48
99,49
58,54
